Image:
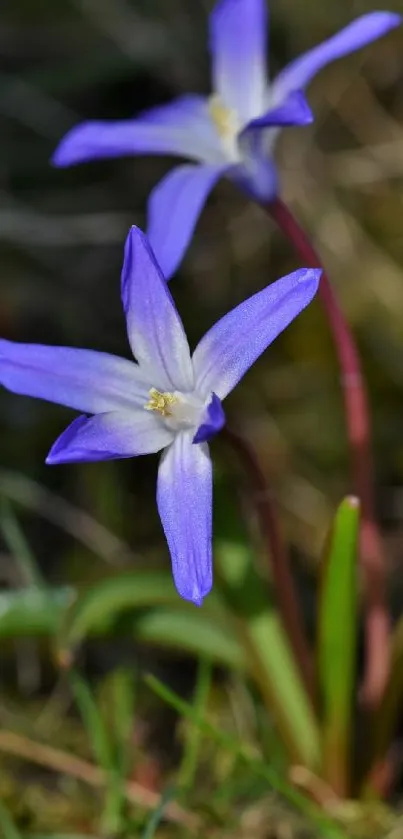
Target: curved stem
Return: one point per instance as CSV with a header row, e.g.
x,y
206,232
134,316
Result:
x,y
283,582
359,437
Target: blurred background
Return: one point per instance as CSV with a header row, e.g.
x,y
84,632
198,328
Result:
x,y
61,238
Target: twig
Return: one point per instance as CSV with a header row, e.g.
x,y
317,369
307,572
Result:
x,y
59,761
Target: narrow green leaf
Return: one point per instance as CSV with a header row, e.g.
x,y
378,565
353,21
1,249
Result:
x,y
208,632
122,712
93,722
103,747
9,829
123,707
157,815
19,547
191,750
275,671
337,640
33,611
103,602
255,764
194,631
269,655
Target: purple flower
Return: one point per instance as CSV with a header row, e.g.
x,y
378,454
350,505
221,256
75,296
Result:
x,y
230,133
168,399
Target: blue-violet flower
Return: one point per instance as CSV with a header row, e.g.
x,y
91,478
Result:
x,y
231,133
167,399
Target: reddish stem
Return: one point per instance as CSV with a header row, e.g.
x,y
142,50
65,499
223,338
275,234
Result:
x,y
281,576
377,624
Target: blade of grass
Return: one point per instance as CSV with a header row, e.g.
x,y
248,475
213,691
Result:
x,y
329,828
33,611
122,714
9,829
102,745
268,652
203,634
158,814
19,547
93,722
336,645
188,767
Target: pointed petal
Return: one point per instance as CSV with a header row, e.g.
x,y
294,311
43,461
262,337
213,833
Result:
x,y
357,34
183,127
257,176
293,110
228,350
238,34
155,329
81,379
173,210
213,421
184,498
110,436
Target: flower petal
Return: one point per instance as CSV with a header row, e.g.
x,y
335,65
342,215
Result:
x,y
213,421
173,210
184,498
238,33
183,127
82,379
228,350
110,436
257,176
155,329
360,32
293,110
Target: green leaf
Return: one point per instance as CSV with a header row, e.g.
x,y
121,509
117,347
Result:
x,y
255,764
9,829
105,751
100,605
63,613
18,546
33,611
271,661
96,729
194,631
157,815
337,641
193,739
279,680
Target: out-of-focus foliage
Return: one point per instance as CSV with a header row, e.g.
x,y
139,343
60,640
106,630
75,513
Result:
x,y
61,237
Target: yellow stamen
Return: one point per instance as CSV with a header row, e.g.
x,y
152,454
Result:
x,y
160,402
223,118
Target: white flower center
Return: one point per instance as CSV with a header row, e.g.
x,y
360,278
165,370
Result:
x,y
227,125
178,410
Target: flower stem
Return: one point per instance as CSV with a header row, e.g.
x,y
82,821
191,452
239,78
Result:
x,y
377,623
282,579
